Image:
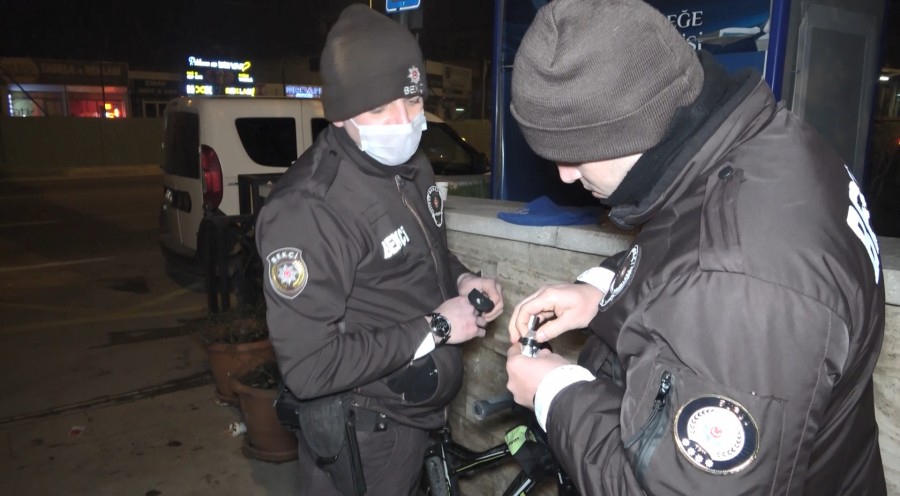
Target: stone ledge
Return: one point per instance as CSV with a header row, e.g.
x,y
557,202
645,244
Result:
x,y
479,216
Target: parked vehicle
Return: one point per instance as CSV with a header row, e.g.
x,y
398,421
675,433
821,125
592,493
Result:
x,y
209,141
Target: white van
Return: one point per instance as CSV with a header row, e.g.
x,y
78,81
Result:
x,y
209,141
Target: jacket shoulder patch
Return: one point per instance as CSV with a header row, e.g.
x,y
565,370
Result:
x,y
717,434
622,278
287,272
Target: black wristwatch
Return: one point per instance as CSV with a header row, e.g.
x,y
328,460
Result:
x,y
440,327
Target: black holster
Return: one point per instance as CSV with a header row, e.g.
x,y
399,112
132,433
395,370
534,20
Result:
x,y
328,427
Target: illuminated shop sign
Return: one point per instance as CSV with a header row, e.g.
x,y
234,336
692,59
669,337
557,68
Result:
x,y
301,91
218,77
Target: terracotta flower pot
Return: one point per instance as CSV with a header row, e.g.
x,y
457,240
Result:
x,y
266,439
228,360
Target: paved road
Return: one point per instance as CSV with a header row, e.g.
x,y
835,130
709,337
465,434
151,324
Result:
x,y
94,335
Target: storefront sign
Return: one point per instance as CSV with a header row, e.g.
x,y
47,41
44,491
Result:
x,y
154,89
47,71
218,77
301,91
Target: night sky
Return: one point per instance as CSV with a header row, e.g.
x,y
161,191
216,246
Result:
x,y
160,34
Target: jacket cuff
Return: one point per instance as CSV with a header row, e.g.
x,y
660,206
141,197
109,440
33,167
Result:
x,y
598,277
554,382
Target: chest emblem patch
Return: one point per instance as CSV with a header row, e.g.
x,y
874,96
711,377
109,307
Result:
x,y
287,272
717,434
435,205
622,278
394,242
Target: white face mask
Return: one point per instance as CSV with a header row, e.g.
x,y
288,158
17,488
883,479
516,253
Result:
x,y
392,144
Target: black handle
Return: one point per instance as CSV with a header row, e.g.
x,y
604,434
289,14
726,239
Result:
x,y
485,408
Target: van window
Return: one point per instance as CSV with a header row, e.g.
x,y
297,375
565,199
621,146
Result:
x,y
270,141
182,144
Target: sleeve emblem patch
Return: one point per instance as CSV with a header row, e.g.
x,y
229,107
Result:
x,y
435,205
287,272
717,434
622,278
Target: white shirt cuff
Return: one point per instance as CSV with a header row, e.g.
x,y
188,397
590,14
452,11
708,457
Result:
x,y
597,277
554,382
425,348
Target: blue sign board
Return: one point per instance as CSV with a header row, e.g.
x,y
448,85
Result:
x,y
398,5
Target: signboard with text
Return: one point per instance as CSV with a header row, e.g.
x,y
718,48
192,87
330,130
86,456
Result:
x,y
303,91
737,33
218,77
400,5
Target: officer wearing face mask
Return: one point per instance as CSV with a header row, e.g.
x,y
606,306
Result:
x,y
366,304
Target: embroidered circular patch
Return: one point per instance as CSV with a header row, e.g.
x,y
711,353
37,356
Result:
x,y
716,434
287,272
623,277
435,205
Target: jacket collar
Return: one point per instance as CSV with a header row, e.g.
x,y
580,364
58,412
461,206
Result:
x,y
729,109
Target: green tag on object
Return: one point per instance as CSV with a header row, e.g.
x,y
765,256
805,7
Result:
x,y
516,437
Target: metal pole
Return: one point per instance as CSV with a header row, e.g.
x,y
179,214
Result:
x,y
779,26
498,188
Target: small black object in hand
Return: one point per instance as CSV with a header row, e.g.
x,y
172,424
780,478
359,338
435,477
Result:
x,y
480,301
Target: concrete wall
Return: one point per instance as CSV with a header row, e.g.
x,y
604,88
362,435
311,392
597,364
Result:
x,y
524,258
46,144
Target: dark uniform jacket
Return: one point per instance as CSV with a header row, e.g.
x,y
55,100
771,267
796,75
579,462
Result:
x,y
735,348
356,255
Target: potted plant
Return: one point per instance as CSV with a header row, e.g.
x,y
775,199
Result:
x,y
266,439
236,341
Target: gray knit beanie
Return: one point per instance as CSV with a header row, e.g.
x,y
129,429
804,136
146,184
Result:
x,y
368,61
601,79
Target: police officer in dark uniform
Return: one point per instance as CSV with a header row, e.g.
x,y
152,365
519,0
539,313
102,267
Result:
x,y
366,304
732,346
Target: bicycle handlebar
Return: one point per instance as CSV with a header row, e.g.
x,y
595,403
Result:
x,y
485,408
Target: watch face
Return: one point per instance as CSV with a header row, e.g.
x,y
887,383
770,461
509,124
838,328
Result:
x,y
440,326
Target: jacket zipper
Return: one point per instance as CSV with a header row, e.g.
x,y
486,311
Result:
x,y
399,181
651,432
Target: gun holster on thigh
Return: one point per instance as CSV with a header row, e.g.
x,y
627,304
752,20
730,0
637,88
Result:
x,y
328,427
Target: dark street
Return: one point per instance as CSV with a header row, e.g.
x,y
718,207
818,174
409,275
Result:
x,y
105,390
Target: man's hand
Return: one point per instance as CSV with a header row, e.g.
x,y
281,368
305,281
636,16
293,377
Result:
x,y
526,373
561,308
465,323
490,287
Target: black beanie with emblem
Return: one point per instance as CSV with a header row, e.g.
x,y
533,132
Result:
x,y
602,79
368,60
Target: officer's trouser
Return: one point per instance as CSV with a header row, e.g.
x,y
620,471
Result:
x,y
391,460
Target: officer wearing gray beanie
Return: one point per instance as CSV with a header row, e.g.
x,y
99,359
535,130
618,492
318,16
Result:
x,y
611,97
732,345
366,305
